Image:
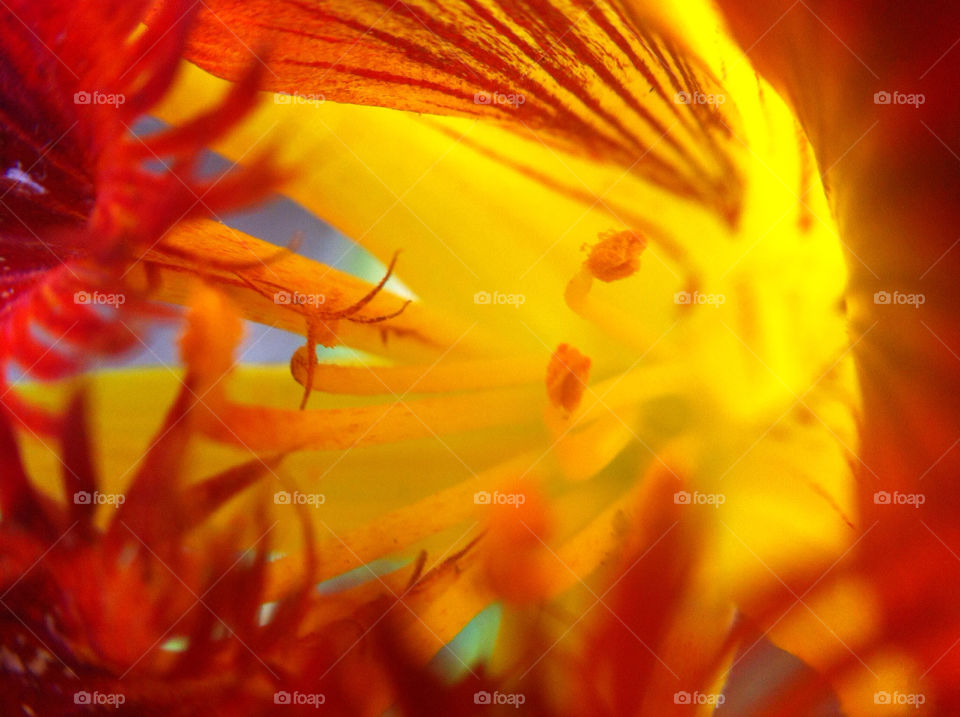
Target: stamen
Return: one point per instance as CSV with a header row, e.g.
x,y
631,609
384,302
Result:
x,y
616,256
567,375
451,375
267,429
237,265
411,523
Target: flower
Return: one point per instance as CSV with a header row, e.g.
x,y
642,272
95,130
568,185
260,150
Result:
x,y
80,206
696,346
628,344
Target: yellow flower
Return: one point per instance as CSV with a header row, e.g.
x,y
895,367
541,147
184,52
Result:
x,y
621,311
727,348
744,392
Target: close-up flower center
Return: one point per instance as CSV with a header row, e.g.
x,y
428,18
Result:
x,y
411,358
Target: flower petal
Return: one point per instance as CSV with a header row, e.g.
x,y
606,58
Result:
x,y
893,166
585,77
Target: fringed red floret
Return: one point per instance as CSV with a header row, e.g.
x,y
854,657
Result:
x,y
81,200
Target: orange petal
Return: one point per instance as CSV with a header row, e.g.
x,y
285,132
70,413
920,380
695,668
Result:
x,y
586,78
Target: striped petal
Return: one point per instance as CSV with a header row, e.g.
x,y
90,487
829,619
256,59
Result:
x,y
582,75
